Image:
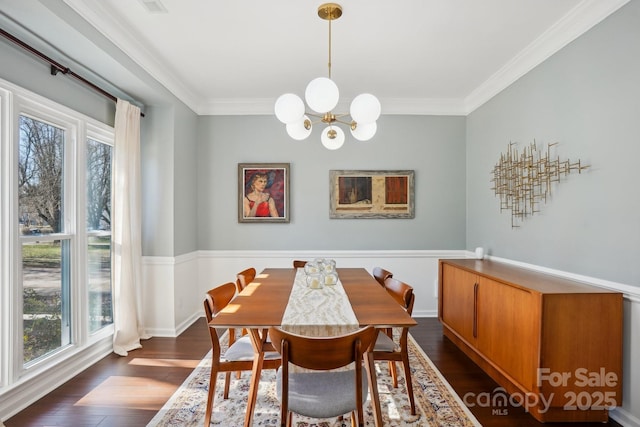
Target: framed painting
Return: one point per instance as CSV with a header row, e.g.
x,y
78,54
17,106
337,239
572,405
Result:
x,y
371,194
263,192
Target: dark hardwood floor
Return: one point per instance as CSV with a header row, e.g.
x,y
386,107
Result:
x,y
128,391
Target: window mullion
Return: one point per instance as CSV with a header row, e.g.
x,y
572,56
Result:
x,y
80,300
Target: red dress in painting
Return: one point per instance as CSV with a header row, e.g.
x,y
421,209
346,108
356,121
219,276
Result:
x,y
262,209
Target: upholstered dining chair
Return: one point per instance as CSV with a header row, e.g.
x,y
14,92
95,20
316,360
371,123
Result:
x,y
380,274
299,263
239,354
386,347
325,393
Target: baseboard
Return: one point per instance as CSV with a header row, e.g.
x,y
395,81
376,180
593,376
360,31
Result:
x,y
623,417
425,313
174,332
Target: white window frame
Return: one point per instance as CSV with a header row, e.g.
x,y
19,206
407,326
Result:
x,y
106,136
16,101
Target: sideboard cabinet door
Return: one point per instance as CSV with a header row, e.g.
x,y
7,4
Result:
x,y
457,299
508,332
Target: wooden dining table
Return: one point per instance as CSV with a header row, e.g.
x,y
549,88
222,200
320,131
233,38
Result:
x,y
262,303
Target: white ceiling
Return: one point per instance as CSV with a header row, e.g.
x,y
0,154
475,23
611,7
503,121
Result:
x,y
416,56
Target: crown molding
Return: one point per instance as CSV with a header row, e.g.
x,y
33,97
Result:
x,y
107,23
578,21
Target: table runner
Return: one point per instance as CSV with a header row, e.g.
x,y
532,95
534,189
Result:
x,y
320,312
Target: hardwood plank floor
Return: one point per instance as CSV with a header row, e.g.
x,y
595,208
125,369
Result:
x,y
128,391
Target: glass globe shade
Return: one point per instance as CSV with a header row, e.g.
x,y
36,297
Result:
x,y
322,95
365,108
364,132
335,143
297,131
289,108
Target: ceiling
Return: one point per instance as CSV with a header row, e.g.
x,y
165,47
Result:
x,y
416,56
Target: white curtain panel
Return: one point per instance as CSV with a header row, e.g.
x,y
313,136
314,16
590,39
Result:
x,y
127,221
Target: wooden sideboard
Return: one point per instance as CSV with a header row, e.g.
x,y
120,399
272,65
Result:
x,y
554,344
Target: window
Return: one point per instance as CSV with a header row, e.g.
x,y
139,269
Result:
x,y
56,172
45,242
99,162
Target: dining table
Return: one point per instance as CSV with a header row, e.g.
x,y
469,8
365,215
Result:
x,y
270,300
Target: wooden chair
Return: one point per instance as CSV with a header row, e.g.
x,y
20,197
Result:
x,y
386,348
239,355
244,278
380,274
299,263
327,393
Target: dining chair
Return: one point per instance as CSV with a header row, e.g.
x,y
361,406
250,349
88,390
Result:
x,y
244,278
239,354
380,274
324,392
386,347
299,263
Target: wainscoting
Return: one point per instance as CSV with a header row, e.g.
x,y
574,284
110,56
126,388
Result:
x,y
173,287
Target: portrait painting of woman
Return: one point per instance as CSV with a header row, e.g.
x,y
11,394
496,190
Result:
x,y
263,192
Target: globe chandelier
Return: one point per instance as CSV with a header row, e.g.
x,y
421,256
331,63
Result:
x,y
322,97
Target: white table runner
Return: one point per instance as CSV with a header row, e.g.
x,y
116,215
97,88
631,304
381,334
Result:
x,y
318,312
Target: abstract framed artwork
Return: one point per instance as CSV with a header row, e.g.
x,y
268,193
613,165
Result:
x,y
263,192
371,194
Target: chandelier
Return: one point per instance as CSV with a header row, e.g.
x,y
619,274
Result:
x,y
322,97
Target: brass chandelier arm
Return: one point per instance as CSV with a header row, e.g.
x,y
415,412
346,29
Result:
x,y
330,118
352,124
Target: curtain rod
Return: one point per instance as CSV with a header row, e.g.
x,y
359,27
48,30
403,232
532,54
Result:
x,y
56,67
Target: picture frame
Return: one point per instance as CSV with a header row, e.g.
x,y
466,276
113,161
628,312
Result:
x,y
268,185
371,194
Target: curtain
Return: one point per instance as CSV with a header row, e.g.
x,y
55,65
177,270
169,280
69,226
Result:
x,y
127,240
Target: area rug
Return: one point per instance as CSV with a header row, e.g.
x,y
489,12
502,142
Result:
x,y
436,402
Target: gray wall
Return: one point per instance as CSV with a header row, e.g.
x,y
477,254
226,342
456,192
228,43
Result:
x,y
185,149
432,146
586,97
169,173
157,181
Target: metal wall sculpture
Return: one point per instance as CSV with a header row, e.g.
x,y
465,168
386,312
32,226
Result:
x,y
524,180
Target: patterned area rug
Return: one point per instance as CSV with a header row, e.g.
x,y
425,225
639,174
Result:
x,y
436,403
